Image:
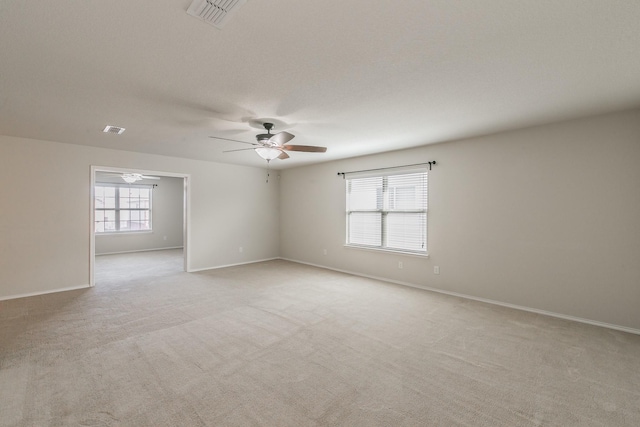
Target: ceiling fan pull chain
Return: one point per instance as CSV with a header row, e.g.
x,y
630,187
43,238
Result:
x,y
268,164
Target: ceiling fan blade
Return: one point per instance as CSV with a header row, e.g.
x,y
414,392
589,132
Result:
x,y
283,156
282,138
234,140
305,148
239,149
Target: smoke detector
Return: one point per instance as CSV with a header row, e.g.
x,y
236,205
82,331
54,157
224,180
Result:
x,y
215,12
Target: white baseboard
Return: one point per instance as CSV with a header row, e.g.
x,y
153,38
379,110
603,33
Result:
x,y
52,291
485,300
195,270
140,250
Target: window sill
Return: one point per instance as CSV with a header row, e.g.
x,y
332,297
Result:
x,y
389,251
122,233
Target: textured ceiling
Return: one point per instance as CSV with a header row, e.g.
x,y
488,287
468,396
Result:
x,y
356,76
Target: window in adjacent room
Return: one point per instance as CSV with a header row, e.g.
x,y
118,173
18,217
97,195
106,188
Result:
x,y
120,208
388,212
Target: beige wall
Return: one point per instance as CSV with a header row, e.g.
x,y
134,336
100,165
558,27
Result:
x,y
44,221
545,218
166,220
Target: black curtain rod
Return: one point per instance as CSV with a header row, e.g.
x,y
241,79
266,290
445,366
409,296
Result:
x,y
393,167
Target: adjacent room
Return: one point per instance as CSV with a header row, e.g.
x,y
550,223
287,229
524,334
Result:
x,y
133,213
243,213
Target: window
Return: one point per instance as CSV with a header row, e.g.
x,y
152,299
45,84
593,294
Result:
x,y
388,212
121,208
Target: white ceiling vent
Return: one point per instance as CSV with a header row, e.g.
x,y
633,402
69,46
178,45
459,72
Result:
x,y
113,129
214,12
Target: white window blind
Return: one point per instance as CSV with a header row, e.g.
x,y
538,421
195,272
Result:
x,y
388,211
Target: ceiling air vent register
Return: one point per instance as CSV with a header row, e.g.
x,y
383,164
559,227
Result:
x,y
113,129
214,12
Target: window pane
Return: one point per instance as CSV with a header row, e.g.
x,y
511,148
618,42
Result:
x,y
139,225
109,191
365,194
403,198
406,231
99,227
124,220
110,202
365,228
99,216
99,202
407,192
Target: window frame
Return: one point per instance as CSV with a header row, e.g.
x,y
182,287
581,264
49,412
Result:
x,y
118,209
383,206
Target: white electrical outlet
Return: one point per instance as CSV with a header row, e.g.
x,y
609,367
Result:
x,y
241,249
436,269
400,265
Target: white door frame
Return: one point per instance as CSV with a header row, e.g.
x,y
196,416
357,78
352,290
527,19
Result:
x,y
185,214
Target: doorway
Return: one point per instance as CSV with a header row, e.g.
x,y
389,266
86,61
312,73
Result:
x,y
135,211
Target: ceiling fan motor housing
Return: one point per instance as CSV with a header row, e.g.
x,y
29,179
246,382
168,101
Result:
x,y
264,138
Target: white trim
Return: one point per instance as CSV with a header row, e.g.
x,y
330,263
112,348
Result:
x,y
92,226
233,265
140,250
124,185
485,300
186,222
123,233
51,291
385,250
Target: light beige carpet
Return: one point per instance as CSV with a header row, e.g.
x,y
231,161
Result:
x,y
283,344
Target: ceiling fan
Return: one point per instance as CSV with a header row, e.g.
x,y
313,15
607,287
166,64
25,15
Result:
x,y
130,178
133,177
274,146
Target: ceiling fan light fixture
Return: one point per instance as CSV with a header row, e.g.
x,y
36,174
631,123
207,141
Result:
x,y
268,153
130,178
